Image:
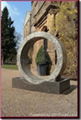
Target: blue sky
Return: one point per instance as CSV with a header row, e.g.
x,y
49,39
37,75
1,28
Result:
x,y
17,11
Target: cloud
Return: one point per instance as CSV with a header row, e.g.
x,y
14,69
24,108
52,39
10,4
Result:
x,y
12,10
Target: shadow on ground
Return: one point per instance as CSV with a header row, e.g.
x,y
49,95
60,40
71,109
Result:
x,y
46,87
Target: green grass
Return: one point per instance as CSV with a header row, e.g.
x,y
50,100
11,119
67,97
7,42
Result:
x,y
6,66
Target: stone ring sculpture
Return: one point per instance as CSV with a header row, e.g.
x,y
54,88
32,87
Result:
x,y
23,59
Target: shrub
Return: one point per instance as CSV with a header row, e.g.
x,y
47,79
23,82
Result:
x,y
42,57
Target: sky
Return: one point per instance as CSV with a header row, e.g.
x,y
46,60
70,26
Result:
x,y
17,11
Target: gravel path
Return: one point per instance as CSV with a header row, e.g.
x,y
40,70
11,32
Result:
x,y
21,99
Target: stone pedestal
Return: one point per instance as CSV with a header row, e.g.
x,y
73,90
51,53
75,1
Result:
x,y
61,86
48,87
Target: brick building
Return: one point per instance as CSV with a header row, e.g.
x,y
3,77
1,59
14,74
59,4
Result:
x,y
44,15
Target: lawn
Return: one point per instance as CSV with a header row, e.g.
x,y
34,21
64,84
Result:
x,y
7,66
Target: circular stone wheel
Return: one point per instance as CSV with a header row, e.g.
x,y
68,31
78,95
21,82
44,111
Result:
x,y
23,58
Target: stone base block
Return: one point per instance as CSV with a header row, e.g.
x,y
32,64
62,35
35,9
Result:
x,y
49,87
61,86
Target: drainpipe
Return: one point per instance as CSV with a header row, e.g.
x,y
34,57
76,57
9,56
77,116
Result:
x,y
30,24
31,50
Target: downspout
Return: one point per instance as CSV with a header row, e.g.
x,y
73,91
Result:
x,y
30,24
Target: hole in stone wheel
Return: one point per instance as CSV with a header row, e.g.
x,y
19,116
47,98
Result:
x,y
43,63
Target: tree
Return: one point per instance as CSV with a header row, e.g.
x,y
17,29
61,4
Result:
x,y
66,27
8,42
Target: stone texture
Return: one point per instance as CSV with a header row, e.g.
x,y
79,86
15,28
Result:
x,y
23,58
56,87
